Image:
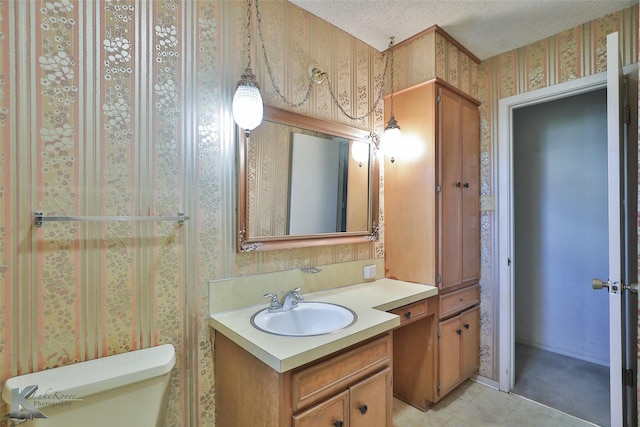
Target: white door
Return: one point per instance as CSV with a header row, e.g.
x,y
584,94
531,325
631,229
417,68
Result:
x,y
616,267
622,255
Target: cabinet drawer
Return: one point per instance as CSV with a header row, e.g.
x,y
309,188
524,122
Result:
x,y
414,311
333,375
457,301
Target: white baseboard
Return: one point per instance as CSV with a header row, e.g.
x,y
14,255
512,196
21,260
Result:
x,y
563,352
486,381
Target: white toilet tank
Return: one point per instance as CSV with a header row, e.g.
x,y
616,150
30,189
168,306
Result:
x,y
128,389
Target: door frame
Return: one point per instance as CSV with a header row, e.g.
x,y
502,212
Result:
x,y
504,197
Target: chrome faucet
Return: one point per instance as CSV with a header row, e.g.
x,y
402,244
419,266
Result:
x,y
289,300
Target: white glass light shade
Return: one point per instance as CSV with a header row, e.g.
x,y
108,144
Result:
x,y
247,104
360,151
391,140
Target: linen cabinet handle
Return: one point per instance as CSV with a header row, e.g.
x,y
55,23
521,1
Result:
x,y
466,326
338,424
458,184
459,331
466,185
363,409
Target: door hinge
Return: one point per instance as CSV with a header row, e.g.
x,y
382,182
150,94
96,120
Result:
x,y
438,278
438,331
438,386
508,262
438,188
628,378
438,99
627,114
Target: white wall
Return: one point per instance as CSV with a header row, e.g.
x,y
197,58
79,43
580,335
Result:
x,y
560,178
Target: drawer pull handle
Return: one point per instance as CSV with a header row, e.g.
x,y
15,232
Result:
x,y
466,326
407,315
338,424
461,299
363,409
459,331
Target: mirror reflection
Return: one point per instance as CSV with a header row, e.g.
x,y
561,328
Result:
x,y
303,179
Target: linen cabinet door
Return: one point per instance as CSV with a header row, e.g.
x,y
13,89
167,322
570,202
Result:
x,y
449,354
450,174
370,401
470,128
330,413
470,322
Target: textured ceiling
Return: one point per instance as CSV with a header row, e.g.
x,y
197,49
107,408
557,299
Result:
x,y
486,28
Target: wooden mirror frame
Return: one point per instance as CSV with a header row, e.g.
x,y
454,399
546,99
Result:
x,y
248,243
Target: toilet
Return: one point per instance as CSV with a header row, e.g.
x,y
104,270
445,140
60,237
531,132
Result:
x,y
128,389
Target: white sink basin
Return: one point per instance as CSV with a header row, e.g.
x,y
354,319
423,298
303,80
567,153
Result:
x,y
308,319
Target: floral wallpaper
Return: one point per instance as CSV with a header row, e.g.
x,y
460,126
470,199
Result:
x,y
433,54
122,107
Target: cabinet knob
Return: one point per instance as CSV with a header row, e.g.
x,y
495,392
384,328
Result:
x,y
459,331
466,326
363,409
458,184
338,424
466,185
407,315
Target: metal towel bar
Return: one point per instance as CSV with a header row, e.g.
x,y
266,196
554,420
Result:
x,y
39,218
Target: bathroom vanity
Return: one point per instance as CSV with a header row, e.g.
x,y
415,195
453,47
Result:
x,y
349,388
344,378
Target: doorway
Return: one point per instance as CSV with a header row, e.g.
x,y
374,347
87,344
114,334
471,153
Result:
x,y
561,237
506,264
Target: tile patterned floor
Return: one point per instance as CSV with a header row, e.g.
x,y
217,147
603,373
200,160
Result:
x,y
476,405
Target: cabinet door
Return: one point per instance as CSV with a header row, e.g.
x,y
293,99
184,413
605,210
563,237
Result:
x,y
449,354
330,413
459,207
370,401
470,322
450,174
470,137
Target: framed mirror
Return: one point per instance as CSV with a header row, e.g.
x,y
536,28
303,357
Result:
x,y
305,182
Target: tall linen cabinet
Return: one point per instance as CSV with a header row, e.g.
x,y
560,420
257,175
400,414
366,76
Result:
x,y
432,225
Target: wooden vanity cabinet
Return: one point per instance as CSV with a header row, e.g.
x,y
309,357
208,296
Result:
x,y
432,219
363,405
350,388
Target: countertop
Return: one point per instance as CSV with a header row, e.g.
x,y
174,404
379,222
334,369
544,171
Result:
x,y
369,300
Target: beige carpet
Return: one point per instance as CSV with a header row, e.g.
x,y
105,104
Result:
x,y
570,385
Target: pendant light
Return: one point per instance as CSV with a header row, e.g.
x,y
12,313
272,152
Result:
x,y
392,137
247,104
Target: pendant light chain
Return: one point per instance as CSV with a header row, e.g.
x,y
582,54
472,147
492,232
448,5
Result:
x,y
270,71
326,76
375,104
249,33
392,88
